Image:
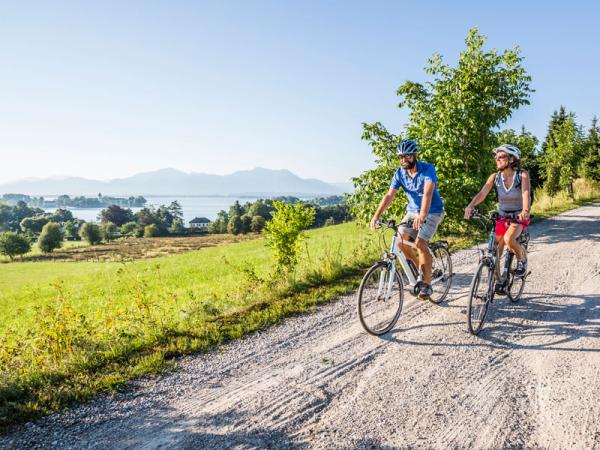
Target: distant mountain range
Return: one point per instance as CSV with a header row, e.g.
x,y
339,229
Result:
x,y
257,181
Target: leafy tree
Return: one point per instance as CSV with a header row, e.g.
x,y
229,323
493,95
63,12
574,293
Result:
x,y
33,225
5,216
234,226
11,217
61,216
128,229
13,244
151,230
165,218
220,224
246,220
147,216
71,227
257,224
178,226
108,231
50,238
91,232
262,208
591,162
176,210
453,118
236,209
115,214
63,200
284,232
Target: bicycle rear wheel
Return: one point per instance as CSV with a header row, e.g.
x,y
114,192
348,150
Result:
x,y
380,298
441,273
482,291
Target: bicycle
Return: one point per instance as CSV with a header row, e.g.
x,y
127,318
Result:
x,y
489,277
381,291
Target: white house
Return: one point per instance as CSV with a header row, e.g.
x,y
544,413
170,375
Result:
x,y
199,224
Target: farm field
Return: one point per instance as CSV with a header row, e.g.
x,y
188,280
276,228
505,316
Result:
x,y
130,249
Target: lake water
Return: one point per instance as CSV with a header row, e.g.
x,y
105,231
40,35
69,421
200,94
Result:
x,y
193,206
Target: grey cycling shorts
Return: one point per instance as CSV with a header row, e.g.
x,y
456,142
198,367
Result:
x,y
428,229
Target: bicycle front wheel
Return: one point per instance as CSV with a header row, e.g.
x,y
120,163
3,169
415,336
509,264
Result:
x,y
482,291
380,298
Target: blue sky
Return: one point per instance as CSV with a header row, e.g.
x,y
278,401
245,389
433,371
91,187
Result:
x,y
109,89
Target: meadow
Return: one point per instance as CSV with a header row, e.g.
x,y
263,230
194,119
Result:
x,y
71,329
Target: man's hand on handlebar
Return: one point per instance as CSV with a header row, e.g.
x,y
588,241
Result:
x,y
419,221
374,223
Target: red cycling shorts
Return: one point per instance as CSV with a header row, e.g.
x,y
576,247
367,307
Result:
x,y
502,226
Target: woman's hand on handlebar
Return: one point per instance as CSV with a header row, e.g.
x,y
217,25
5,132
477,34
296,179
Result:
x,y
524,216
469,210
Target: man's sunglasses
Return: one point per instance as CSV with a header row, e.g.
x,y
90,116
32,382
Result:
x,y
406,156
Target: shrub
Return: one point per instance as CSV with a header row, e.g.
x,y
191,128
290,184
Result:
x,y
13,244
129,229
50,238
235,225
284,234
91,233
109,231
257,224
151,231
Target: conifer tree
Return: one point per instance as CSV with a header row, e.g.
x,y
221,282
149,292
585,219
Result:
x,y
591,162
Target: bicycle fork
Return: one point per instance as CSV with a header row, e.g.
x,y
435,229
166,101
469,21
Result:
x,y
386,283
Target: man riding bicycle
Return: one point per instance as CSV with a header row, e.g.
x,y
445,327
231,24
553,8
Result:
x,y
512,186
425,207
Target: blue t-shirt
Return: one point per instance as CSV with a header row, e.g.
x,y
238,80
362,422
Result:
x,y
414,187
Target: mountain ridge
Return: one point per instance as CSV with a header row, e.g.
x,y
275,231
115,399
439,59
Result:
x,y
170,181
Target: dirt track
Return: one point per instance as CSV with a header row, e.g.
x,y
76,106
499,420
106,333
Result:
x,y
532,378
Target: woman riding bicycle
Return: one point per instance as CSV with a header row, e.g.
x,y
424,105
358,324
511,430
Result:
x,y
512,186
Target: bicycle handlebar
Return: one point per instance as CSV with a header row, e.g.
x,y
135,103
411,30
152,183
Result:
x,y
494,216
392,224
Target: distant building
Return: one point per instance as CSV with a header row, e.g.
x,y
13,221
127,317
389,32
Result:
x,y
199,224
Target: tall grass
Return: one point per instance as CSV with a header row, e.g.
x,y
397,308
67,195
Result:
x,y
545,205
93,326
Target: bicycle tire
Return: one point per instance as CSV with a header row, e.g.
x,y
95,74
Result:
x,y
445,265
515,285
476,326
368,304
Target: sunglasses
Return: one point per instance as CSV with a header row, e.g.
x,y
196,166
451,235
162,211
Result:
x,y
406,156
498,158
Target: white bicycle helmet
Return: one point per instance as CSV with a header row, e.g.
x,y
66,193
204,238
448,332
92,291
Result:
x,y
509,149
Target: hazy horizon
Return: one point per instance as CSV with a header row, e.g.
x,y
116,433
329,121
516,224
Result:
x,y
60,176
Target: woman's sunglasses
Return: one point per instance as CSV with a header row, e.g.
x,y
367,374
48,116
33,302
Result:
x,y
498,158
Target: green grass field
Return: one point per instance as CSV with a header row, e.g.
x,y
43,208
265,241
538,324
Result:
x,y
70,330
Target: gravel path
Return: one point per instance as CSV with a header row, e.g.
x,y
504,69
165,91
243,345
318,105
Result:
x,y
531,379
